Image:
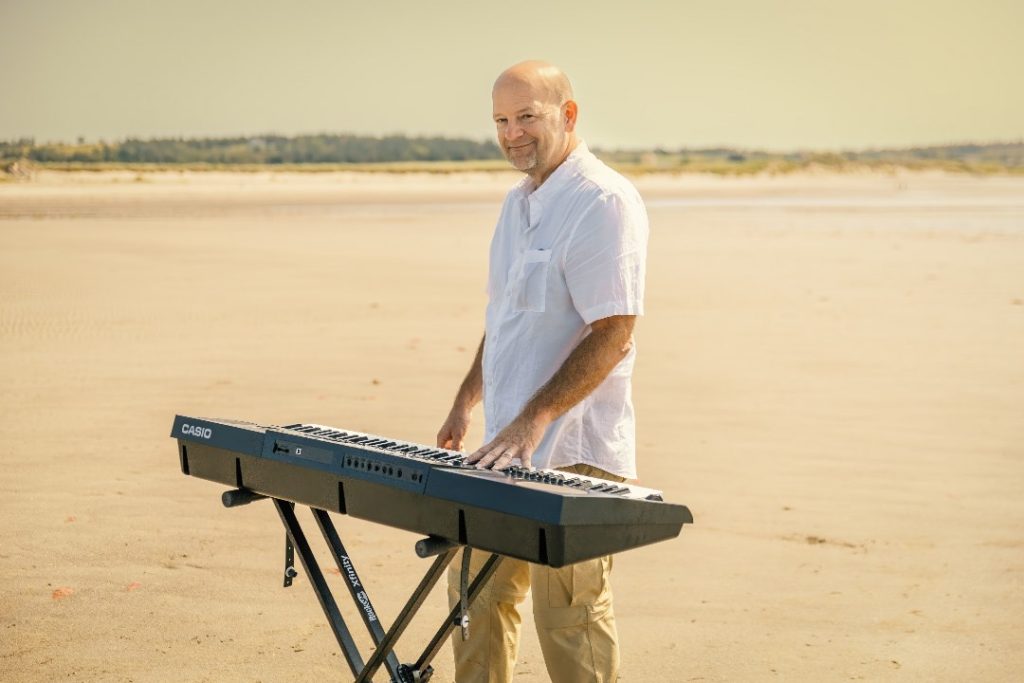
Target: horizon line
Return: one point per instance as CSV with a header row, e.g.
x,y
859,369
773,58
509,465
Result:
x,y
83,141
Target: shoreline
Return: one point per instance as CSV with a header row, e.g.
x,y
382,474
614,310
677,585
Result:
x,y
216,193
19,171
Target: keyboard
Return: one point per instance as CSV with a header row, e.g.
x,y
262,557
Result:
x,y
543,516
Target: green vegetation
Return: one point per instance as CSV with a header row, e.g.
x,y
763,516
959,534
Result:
x,y
967,158
398,153
269,149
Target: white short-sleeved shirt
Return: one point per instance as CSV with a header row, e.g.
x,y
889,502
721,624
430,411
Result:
x,y
564,255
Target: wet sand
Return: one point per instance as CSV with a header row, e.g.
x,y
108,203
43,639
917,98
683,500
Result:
x,y
830,375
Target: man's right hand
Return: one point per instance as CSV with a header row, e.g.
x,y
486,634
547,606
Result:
x,y
452,434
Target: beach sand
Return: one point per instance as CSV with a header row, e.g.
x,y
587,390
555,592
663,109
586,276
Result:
x,y
830,375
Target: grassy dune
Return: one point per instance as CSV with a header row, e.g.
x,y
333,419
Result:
x,y
989,159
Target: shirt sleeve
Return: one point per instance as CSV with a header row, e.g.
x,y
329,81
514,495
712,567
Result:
x,y
605,263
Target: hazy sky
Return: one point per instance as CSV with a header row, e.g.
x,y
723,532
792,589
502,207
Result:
x,y
750,73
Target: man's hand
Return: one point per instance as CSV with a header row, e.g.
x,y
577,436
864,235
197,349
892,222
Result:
x,y
452,434
609,341
519,440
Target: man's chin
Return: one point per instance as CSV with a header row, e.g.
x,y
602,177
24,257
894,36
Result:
x,y
523,164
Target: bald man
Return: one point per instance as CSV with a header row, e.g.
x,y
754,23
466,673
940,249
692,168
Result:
x,y
553,370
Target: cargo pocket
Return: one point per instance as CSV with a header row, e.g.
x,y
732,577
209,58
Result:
x,y
584,584
531,287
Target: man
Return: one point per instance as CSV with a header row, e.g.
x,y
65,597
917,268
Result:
x,y
553,369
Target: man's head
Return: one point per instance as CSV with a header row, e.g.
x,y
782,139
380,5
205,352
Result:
x,y
535,116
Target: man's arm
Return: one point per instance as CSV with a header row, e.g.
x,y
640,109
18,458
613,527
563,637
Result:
x,y
453,432
609,341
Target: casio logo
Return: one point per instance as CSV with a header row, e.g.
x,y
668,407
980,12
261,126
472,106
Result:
x,y
194,430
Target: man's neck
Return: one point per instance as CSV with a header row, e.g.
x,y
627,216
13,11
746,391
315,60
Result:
x,y
569,148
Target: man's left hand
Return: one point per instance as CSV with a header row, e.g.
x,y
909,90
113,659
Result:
x,y
518,440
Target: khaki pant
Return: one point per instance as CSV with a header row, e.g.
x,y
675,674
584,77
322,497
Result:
x,y
572,610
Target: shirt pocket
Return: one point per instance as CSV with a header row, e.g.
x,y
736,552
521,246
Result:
x,y
529,290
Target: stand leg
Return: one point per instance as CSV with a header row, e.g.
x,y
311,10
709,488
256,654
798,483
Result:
x,y
407,613
355,587
442,634
323,593
399,673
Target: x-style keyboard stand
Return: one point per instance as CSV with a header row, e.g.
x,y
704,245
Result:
x,y
443,550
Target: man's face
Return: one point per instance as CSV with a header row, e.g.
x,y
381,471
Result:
x,y
532,130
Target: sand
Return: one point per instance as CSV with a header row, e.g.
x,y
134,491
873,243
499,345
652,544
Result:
x,y
831,376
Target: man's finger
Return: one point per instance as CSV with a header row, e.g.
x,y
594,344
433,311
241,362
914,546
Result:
x,y
504,461
477,454
444,435
492,454
508,458
483,457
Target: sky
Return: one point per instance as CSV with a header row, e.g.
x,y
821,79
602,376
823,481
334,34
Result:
x,y
784,75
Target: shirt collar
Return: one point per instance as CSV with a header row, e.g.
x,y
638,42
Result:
x,y
559,177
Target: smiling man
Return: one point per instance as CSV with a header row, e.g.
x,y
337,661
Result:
x,y
554,368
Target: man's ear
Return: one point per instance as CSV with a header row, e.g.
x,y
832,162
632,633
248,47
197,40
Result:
x,y
571,112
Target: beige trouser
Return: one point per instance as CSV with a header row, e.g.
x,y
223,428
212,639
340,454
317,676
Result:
x,y
572,610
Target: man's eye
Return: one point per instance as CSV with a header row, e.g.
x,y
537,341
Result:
x,y
527,116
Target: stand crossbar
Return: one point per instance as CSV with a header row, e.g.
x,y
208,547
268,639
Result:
x,y
384,654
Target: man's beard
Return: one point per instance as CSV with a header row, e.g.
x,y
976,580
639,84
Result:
x,y
526,162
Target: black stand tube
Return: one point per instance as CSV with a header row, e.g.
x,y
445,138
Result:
x,y
442,634
433,545
238,497
355,588
408,612
320,587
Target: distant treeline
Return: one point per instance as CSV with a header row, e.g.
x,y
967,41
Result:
x,y
993,157
410,153
266,149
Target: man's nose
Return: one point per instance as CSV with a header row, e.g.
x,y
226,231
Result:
x,y
513,131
